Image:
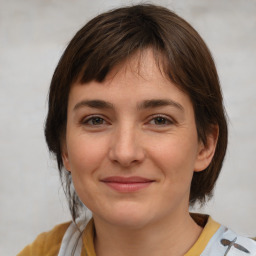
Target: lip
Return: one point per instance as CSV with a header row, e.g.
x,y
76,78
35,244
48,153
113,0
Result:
x,y
127,184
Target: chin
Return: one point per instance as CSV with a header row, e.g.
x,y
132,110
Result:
x,y
126,217
129,222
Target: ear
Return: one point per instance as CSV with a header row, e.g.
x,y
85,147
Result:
x,y
206,151
64,155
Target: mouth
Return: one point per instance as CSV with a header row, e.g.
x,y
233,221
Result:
x,y
127,184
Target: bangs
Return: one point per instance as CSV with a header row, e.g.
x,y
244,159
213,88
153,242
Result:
x,y
134,61
111,47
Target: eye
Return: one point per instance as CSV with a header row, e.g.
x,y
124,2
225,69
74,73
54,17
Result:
x,y
94,121
160,120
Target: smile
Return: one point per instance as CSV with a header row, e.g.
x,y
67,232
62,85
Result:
x,y
127,184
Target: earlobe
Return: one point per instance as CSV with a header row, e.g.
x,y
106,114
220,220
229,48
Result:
x,y
206,151
64,155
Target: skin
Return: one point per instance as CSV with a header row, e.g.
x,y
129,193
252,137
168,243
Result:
x,y
127,137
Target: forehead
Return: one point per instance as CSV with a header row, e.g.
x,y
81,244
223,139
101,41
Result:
x,y
148,64
138,79
145,66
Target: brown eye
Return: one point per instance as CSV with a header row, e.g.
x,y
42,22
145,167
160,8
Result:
x,y
159,120
94,121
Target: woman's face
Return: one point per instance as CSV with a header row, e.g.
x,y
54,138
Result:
x,y
131,145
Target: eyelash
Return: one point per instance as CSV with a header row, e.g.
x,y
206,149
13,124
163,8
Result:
x,y
92,118
167,120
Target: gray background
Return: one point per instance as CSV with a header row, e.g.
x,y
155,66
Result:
x,y
33,34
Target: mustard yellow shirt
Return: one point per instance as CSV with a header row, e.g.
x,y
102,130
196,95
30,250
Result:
x,y
48,243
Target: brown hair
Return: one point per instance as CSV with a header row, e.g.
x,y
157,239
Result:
x,y
113,37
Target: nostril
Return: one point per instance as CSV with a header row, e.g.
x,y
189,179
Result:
x,y
126,157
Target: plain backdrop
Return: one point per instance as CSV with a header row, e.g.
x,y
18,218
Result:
x,y
34,33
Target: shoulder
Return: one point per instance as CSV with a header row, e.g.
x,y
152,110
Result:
x,y
245,245
226,241
217,239
47,243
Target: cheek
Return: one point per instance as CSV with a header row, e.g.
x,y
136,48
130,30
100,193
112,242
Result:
x,y
85,154
176,158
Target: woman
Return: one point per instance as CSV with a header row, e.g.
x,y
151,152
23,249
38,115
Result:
x,y
138,128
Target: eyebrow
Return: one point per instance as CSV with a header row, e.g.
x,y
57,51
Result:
x,y
147,104
155,103
100,104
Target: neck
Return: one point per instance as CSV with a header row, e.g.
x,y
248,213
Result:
x,y
172,236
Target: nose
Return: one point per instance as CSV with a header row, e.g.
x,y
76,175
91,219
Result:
x,y
126,147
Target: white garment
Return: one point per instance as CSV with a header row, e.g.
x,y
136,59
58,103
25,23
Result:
x,y
227,243
72,239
